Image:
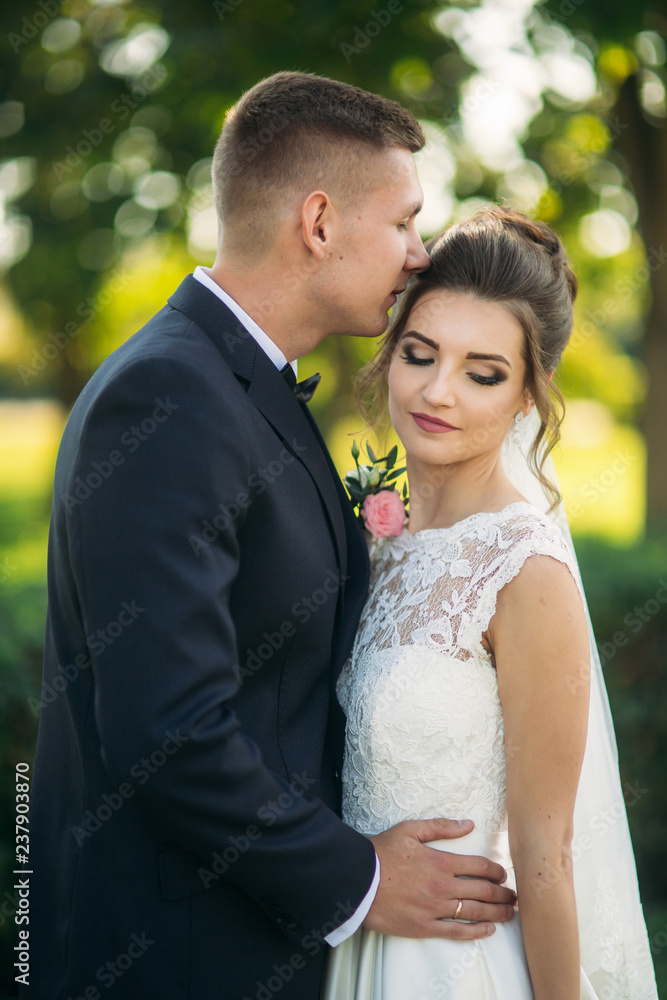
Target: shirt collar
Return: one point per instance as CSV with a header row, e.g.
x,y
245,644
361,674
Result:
x,y
203,275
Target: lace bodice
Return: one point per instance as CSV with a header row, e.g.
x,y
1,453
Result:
x,y
424,723
425,731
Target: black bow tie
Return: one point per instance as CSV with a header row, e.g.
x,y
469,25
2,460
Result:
x,y
304,390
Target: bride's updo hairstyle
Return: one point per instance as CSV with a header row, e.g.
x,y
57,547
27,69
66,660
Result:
x,y
497,256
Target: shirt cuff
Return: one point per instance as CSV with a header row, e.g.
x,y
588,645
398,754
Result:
x,y
352,924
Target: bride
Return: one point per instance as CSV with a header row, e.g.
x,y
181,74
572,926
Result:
x,y
474,688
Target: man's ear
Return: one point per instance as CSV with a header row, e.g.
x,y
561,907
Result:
x,y
315,222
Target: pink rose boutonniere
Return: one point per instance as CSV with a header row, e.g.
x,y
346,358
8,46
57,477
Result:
x,y
383,513
373,492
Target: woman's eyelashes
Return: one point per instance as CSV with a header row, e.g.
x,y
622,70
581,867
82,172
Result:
x,y
487,379
411,359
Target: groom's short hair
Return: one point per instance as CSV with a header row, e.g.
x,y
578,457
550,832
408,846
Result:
x,y
296,132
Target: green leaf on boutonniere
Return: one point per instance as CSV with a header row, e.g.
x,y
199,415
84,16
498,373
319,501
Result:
x,y
369,480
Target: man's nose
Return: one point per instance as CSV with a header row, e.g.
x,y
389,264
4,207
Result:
x,y
418,259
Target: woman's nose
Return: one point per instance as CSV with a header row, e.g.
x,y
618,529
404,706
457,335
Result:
x,y
439,391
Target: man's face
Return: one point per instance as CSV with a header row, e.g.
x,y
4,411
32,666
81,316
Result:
x,y
375,249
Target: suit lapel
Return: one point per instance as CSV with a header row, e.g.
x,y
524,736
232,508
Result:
x,y
276,401
357,552
355,588
270,394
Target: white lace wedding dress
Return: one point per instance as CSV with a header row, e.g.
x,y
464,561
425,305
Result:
x,y
425,739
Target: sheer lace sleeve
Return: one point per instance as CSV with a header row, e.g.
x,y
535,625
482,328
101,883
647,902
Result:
x,y
530,534
425,733
438,588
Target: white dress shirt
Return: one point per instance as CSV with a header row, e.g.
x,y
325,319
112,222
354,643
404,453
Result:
x,y
203,275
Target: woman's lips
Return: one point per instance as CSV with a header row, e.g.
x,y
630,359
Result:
x,y
432,424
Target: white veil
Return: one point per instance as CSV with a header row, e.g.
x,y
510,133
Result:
x,y
615,954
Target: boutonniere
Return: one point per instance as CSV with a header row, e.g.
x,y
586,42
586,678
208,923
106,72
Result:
x,y
373,492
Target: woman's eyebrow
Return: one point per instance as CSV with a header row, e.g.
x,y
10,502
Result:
x,y
470,356
474,356
420,336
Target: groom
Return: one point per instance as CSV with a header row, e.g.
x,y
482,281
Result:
x,y
206,576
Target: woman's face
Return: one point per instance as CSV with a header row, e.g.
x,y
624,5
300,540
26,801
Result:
x,y
456,378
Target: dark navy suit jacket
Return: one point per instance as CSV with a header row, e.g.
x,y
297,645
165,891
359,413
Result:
x,y
206,577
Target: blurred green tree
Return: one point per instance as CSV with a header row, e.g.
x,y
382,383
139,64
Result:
x,y
630,42
109,113
118,103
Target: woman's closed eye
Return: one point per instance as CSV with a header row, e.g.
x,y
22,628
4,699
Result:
x,y
487,379
411,358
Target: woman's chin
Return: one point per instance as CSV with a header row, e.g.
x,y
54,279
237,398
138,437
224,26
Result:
x,y
436,457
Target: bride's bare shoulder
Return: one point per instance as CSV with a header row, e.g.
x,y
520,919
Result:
x,y
542,601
